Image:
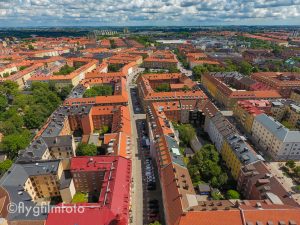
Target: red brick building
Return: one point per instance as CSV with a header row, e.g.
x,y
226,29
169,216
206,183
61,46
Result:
x,y
283,82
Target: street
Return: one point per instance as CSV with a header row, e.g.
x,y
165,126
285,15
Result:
x,y
144,197
137,187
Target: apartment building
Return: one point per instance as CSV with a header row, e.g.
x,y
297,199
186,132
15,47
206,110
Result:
x,y
73,78
195,59
247,212
216,125
183,89
227,89
161,60
119,97
108,178
256,182
236,152
173,175
246,110
295,95
283,82
29,183
280,142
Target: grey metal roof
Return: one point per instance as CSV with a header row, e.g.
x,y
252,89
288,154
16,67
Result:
x,y
241,149
172,143
277,129
59,141
14,180
33,152
58,117
223,125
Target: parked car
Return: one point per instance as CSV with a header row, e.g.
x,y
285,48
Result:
x,y
151,188
153,201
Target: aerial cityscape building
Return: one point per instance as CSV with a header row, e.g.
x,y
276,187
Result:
x,y
133,125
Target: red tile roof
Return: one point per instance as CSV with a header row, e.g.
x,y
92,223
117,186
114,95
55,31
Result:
x,y
87,215
232,217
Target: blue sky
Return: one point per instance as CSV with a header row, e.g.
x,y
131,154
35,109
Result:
x,y
148,12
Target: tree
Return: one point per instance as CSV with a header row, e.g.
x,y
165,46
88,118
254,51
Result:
x,y
5,165
12,125
64,92
104,129
86,150
173,70
245,68
22,68
232,194
216,195
65,70
80,198
205,166
186,88
9,88
291,164
3,103
30,47
113,68
287,124
99,90
163,87
34,119
155,223
7,74
11,144
198,71
112,43
186,133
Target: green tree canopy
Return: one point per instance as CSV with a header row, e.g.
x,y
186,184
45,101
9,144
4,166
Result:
x,y
5,165
3,103
155,223
205,166
291,164
113,68
163,87
245,68
105,129
80,198
65,70
99,90
86,150
232,194
11,144
186,133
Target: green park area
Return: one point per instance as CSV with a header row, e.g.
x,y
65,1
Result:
x,y
99,90
23,113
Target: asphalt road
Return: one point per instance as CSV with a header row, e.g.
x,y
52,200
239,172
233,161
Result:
x,y
137,186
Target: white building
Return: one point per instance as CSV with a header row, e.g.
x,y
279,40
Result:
x,y
272,136
218,128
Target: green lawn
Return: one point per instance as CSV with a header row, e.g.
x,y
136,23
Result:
x,y
80,198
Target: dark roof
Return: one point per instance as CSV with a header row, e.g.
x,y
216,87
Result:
x,y
59,141
14,180
188,151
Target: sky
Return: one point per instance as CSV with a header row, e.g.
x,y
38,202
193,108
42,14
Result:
x,y
22,13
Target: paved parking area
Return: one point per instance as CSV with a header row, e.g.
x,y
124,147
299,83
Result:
x,y
287,182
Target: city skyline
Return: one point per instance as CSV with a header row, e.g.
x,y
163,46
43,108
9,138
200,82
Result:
x,y
24,13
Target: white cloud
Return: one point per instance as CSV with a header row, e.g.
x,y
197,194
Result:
x,y
117,12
